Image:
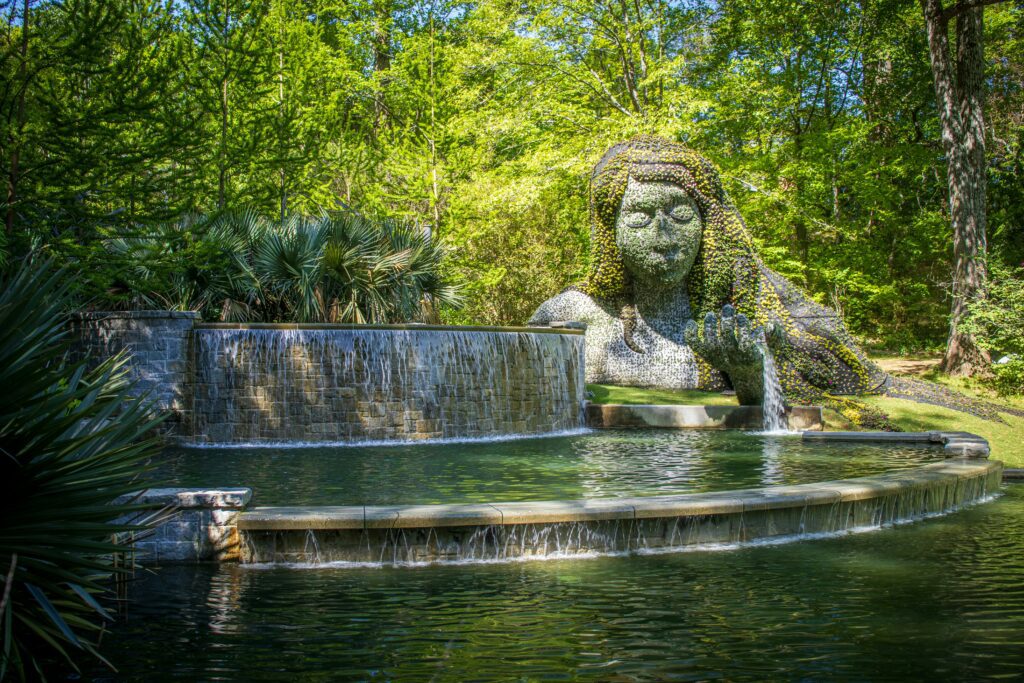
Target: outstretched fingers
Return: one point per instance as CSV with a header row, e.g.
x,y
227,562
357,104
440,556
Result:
x,y
710,331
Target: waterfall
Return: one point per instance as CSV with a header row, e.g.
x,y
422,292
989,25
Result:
x,y
772,407
343,385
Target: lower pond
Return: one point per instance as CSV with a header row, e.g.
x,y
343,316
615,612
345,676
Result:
x,y
593,465
938,599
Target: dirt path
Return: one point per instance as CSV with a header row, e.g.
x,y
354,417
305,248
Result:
x,y
914,367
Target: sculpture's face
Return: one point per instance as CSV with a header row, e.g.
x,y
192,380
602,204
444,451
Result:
x,y
658,232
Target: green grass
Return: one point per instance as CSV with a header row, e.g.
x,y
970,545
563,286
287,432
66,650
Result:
x,y
1006,440
606,393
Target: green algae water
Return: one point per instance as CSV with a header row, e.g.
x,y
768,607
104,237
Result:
x,y
941,599
595,465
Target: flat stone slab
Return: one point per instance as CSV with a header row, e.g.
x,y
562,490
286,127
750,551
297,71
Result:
x,y
1013,474
420,516
555,511
302,518
232,498
615,416
955,443
687,505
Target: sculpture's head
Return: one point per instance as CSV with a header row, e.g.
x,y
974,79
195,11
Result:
x,y
661,218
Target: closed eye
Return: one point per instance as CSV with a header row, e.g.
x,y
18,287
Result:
x,y
637,219
683,212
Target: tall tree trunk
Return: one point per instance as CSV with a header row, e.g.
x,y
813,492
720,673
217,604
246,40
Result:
x,y
14,173
381,41
959,92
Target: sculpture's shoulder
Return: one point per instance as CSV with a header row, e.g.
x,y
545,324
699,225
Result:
x,y
570,304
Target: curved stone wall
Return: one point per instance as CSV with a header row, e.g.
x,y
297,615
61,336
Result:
x,y
344,383
508,531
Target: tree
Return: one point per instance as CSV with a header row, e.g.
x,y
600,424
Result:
x,y
960,95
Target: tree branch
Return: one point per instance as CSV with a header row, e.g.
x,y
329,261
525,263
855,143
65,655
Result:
x,y
964,6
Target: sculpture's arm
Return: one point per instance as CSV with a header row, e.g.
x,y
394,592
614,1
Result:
x,y
570,305
730,344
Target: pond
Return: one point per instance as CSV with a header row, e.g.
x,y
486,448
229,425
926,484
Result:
x,y
601,464
938,599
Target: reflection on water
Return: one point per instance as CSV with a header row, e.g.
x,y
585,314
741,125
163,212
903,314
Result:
x,y
942,599
602,464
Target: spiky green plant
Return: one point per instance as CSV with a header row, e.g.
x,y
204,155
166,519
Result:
x,y
241,267
71,443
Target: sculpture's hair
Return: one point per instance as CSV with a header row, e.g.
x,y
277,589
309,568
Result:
x,y
816,356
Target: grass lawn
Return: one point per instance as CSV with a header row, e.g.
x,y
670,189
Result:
x,y
1006,440
606,393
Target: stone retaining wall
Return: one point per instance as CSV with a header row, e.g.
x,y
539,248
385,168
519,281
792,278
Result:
x,y
159,343
203,528
339,383
617,416
262,383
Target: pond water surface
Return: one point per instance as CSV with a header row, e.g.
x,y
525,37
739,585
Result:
x,y
595,465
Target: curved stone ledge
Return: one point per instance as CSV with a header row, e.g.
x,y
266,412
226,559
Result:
x,y
503,531
555,511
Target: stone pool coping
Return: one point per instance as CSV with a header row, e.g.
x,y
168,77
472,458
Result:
x,y
603,509
964,444
218,525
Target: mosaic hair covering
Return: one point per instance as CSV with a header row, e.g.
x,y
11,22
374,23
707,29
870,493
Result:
x,y
817,359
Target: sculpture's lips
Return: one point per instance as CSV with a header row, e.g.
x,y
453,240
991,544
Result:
x,y
668,251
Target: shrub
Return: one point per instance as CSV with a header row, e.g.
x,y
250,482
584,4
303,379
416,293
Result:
x,y
998,324
241,267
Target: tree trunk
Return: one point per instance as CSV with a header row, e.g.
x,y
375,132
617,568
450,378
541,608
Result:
x,y
14,174
381,42
959,94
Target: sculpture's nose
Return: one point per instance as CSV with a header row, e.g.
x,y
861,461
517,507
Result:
x,y
661,218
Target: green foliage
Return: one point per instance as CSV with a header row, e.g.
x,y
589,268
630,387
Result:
x,y
243,268
998,323
483,120
70,444
1008,377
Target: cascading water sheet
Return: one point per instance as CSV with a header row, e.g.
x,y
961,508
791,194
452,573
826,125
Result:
x,y
773,407
344,385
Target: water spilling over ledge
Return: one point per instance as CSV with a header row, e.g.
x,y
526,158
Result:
x,y
423,534
342,383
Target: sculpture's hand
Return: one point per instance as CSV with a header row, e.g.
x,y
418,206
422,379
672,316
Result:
x,y
730,344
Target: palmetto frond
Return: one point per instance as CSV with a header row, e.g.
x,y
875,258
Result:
x,y
240,266
71,442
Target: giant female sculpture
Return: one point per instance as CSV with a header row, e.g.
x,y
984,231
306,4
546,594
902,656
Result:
x,y
668,249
